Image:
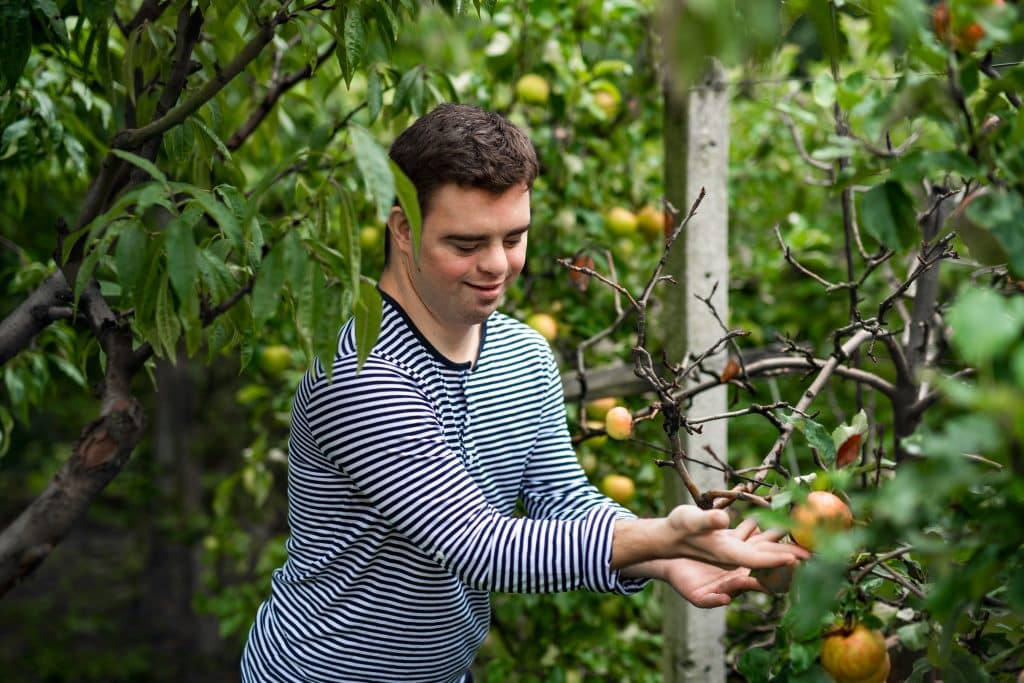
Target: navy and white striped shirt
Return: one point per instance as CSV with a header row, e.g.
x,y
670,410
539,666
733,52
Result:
x,y
403,482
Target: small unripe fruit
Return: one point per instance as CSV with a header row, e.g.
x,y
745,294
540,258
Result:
x,y
651,222
619,488
618,422
533,89
822,511
275,359
599,407
545,324
620,221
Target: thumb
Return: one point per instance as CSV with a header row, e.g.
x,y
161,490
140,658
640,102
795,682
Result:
x,y
691,519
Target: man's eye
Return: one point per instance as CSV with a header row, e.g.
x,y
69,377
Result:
x,y
513,241
465,248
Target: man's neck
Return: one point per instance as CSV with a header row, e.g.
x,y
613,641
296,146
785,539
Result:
x,y
458,343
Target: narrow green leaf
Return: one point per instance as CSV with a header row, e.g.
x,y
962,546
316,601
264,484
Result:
x,y
325,337
266,293
410,203
145,164
6,429
400,100
182,254
374,95
350,249
307,306
354,31
374,165
129,256
223,217
167,327
296,259
69,369
368,312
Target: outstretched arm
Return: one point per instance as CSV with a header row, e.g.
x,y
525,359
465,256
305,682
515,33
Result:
x,y
703,535
709,585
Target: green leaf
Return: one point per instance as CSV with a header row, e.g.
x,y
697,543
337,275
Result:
x,y
374,166
814,591
168,328
16,45
984,324
145,164
368,312
755,664
819,439
824,91
182,252
374,95
129,256
6,429
266,292
220,213
350,248
296,259
325,334
410,203
887,213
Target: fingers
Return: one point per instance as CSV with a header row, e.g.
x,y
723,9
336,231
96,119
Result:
x,y
692,520
745,529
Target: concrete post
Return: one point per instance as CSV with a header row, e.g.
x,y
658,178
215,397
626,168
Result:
x,y
697,155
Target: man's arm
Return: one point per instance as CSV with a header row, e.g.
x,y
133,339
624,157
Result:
x,y
704,535
705,584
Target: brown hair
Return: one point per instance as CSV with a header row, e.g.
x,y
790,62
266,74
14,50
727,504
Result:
x,y
463,145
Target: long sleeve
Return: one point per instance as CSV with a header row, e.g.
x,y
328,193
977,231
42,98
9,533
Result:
x,y
380,428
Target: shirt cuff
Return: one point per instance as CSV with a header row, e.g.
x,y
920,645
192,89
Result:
x,y
598,576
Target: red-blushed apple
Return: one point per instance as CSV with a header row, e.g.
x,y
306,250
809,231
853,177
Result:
x,y
856,655
821,512
618,422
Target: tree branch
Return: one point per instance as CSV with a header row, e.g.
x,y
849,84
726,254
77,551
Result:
x,y
34,314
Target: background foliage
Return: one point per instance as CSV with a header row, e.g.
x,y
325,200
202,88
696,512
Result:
x,y
269,194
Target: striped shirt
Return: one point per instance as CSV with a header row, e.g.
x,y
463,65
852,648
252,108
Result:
x,y
403,482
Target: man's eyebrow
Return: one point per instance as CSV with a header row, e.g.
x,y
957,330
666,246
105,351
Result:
x,y
477,238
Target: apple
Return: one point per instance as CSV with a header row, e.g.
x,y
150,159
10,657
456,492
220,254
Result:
x,y
620,221
545,324
588,461
775,579
618,422
599,407
533,89
275,359
856,655
822,511
651,222
619,488
369,237
599,440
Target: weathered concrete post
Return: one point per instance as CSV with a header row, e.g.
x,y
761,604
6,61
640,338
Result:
x,y
697,155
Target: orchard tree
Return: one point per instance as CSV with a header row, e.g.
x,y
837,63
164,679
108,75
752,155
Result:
x,y
185,208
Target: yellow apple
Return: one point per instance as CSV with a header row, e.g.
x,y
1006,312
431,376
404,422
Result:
x,y
533,89
275,359
619,488
620,221
545,324
651,222
599,407
618,422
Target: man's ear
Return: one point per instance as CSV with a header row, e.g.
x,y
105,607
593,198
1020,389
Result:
x,y
401,231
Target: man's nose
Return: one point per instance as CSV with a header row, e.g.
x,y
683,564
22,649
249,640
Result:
x,y
494,260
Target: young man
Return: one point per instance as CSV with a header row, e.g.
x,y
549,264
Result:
x,y
404,478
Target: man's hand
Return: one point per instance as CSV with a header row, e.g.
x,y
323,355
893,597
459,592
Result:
x,y
708,585
704,535
692,533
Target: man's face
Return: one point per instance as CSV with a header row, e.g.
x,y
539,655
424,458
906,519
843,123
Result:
x,y
472,247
